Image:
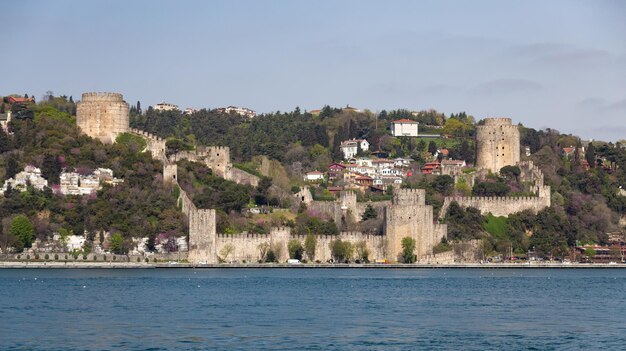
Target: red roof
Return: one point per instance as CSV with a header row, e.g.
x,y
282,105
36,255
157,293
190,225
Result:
x,y
13,99
404,120
337,165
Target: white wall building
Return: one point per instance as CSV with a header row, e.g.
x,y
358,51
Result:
x,y
72,183
30,175
404,127
313,176
164,106
242,111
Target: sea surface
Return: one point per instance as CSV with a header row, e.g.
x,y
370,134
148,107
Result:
x,y
312,309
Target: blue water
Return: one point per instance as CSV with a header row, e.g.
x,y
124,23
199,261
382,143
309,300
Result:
x,y
295,309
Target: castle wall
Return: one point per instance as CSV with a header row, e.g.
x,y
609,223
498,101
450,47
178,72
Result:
x,y
154,144
242,177
497,144
246,247
102,115
497,206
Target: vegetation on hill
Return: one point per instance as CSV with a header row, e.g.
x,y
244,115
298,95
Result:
x,y
50,140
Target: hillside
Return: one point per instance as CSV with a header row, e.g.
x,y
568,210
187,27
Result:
x,y
282,148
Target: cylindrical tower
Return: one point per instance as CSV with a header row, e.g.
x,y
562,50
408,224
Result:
x,y
497,144
102,115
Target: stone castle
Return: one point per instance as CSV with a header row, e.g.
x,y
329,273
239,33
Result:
x,y
105,115
102,116
498,145
407,215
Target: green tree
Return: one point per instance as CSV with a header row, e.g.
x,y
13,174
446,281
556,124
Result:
x,y
116,243
510,172
369,213
432,147
51,169
309,246
12,167
5,142
362,253
341,251
408,250
22,229
295,249
590,155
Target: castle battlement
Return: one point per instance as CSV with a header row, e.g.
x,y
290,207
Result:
x,y
95,96
102,115
244,235
497,121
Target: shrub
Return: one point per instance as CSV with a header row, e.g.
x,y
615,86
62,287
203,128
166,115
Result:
x,y
309,246
408,249
295,249
341,251
46,257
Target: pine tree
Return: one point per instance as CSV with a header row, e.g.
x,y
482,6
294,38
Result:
x,y
12,167
590,155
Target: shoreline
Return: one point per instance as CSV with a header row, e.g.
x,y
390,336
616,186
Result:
x,y
177,265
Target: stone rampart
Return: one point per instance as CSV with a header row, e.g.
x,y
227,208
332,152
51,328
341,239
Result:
x,y
154,144
497,206
247,247
242,177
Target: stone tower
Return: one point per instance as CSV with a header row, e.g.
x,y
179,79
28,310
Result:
x,y
497,144
102,115
409,216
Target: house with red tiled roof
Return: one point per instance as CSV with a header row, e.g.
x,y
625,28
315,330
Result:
x,y
431,168
314,176
19,100
404,127
334,170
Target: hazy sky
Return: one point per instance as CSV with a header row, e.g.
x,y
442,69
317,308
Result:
x,y
559,64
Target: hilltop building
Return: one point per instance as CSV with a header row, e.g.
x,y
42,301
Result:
x,y
164,106
242,111
404,127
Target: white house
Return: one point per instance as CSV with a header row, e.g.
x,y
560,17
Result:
x,y
404,127
350,147
164,106
242,111
364,161
30,175
314,176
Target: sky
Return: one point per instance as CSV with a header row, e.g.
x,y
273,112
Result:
x,y
547,64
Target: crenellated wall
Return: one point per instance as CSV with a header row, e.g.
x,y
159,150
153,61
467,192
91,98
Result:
x,y
497,206
247,247
154,144
504,206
